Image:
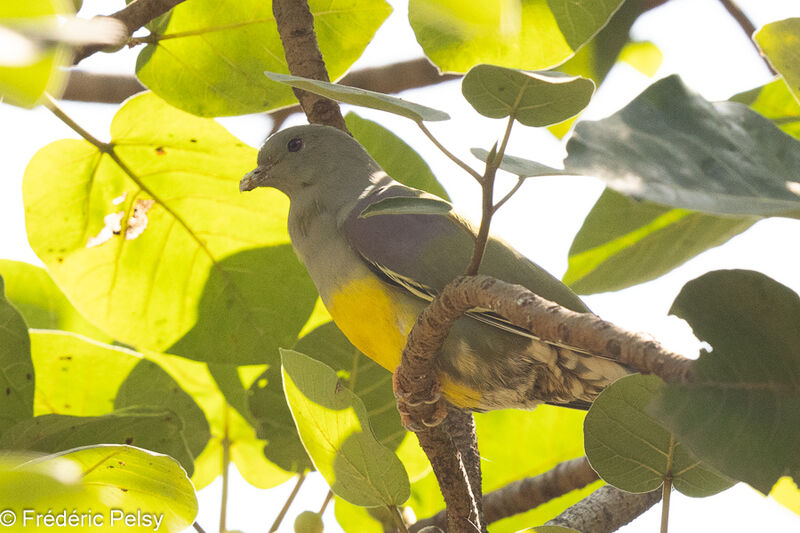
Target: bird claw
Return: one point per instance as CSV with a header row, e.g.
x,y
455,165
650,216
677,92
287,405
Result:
x,y
415,423
422,412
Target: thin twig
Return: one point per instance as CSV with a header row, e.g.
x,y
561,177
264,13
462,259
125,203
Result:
x,y
487,201
50,104
288,503
398,519
197,528
526,494
747,27
226,463
508,195
134,15
472,172
328,498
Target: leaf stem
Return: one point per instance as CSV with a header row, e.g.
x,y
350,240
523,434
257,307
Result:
x,y
50,104
510,193
398,519
154,38
487,201
449,154
288,502
226,463
666,491
197,528
328,498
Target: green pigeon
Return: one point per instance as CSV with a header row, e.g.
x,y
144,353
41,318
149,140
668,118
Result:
x,y
375,275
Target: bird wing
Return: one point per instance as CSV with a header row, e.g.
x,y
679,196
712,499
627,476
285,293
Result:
x,y
424,252
421,253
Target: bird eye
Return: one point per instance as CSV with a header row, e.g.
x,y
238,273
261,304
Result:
x,y
295,144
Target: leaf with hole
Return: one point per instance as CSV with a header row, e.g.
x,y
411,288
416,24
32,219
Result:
x,y
741,411
172,257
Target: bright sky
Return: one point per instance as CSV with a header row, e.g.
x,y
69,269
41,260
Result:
x,y
699,42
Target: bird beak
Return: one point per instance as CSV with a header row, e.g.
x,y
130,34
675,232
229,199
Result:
x,y
255,178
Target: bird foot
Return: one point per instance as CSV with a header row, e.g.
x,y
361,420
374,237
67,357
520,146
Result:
x,y
420,409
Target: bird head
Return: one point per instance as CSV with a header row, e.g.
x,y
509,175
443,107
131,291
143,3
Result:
x,y
311,160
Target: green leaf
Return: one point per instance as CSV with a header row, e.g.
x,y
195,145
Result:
x,y
210,58
355,519
226,424
149,385
532,98
154,429
80,377
361,97
176,254
16,367
407,206
532,35
524,168
31,67
502,463
41,302
334,426
672,147
644,56
368,380
274,424
624,242
776,102
631,450
597,57
740,413
779,43
96,482
394,156
77,376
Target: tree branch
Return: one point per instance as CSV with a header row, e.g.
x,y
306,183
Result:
x,y
547,320
134,16
296,29
83,86
747,27
605,510
526,494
